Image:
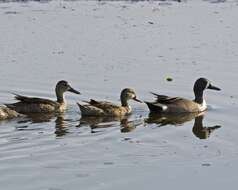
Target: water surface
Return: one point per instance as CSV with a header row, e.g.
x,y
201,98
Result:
x,y
101,48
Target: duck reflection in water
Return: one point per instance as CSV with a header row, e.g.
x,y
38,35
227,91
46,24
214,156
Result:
x,y
200,131
35,118
128,126
170,119
61,126
179,119
40,118
96,123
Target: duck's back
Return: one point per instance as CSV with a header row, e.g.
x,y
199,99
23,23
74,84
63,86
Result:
x,y
183,105
111,109
103,104
22,107
34,105
174,105
103,108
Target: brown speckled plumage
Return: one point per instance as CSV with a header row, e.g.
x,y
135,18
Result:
x,y
6,113
103,108
40,105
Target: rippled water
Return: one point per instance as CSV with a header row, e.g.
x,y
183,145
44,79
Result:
x,y
101,48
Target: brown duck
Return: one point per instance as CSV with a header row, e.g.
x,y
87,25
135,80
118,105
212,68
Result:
x,y
103,108
40,105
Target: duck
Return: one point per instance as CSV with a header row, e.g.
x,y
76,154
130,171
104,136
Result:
x,y
6,113
166,104
29,105
104,108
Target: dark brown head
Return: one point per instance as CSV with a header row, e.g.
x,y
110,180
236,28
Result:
x,y
62,87
128,94
200,85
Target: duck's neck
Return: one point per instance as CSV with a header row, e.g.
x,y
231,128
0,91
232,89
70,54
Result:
x,y
124,102
198,97
60,97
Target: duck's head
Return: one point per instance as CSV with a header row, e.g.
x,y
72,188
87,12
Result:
x,y
129,94
201,84
63,86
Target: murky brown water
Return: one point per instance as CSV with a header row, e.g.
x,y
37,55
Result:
x,y
101,48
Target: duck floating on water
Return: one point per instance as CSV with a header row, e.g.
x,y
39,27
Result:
x,y
103,108
6,113
166,104
40,105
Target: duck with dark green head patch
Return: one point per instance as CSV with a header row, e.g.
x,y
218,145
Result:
x,y
40,105
166,104
104,108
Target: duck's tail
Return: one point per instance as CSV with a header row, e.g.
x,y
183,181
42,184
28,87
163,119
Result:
x,y
156,107
89,110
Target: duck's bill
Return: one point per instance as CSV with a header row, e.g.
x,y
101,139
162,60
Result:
x,y
74,91
213,87
137,100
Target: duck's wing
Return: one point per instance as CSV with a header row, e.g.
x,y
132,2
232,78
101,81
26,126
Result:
x,y
24,101
103,104
172,104
162,102
90,110
34,100
162,99
156,107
